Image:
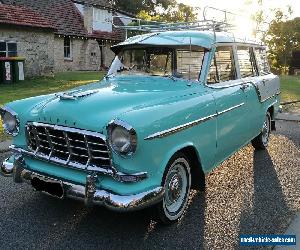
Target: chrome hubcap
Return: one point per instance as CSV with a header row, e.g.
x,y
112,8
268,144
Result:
x,y
175,188
266,131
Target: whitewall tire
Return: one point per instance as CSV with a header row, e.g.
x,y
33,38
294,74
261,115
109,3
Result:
x,y
177,185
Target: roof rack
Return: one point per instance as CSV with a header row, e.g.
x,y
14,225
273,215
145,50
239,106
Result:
x,y
137,24
214,19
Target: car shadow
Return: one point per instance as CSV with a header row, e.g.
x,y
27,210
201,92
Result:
x,y
267,207
47,222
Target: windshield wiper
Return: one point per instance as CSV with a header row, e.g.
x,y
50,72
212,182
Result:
x,y
171,77
108,75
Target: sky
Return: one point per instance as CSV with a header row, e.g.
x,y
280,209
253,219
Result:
x,y
245,9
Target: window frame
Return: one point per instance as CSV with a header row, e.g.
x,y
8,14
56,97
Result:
x,y
211,56
205,51
174,50
252,60
70,46
256,61
6,51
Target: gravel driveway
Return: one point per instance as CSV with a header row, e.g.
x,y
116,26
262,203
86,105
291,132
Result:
x,y
252,192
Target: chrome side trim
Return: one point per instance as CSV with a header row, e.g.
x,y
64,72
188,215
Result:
x,y
231,108
276,94
176,129
179,128
223,85
90,193
118,176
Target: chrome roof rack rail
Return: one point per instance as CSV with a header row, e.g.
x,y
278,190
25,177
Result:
x,y
214,19
137,24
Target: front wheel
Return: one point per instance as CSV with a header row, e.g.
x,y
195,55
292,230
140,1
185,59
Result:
x,y
177,185
261,141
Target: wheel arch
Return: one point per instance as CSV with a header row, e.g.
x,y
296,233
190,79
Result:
x,y
197,173
271,110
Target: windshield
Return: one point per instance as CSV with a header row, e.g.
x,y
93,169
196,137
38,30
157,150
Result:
x,y
180,63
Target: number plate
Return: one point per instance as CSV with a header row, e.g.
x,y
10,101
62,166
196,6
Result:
x,y
49,186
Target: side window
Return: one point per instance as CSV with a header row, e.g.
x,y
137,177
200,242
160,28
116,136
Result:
x,y
262,61
189,63
222,67
246,61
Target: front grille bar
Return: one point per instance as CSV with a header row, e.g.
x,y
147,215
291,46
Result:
x,y
69,146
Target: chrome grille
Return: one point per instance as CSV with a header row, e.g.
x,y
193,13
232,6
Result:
x,y
73,147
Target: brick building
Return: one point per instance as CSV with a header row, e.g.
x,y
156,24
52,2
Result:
x,y
59,35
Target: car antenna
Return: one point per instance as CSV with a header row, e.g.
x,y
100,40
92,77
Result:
x,y
190,57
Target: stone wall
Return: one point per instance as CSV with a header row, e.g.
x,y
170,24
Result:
x,y
35,45
86,55
44,52
108,55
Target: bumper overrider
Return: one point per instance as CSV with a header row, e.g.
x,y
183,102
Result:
x,y
87,193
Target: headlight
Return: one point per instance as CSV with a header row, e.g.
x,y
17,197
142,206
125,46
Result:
x,y
10,121
122,137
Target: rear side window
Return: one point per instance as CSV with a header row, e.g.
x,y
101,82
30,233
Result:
x,y
189,63
246,62
222,67
262,61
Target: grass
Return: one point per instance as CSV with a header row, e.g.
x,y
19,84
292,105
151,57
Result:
x,y
290,91
290,88
44,85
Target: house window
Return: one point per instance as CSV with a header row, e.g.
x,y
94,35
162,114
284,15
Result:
x,y
222,67
8,49
67,48
102,20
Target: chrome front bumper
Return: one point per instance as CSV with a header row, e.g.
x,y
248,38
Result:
x,y
88,193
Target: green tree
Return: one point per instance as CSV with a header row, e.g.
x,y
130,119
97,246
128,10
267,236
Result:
x,y
135,6
176,13
282,38
173,14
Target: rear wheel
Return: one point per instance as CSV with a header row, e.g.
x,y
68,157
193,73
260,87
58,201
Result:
x,y
177,185
261,141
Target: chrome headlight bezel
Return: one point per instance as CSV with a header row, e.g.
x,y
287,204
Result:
x,y
15,131
132,137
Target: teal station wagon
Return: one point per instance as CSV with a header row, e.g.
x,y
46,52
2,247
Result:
x,y
173,106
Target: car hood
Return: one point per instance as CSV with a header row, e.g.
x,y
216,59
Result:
x,y
94,105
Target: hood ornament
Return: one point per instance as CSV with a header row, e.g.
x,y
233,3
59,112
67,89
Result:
x,y
74,95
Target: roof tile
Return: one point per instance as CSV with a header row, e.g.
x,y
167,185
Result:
x,y
22,16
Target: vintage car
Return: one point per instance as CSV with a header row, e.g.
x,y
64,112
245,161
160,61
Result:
x,y
173,106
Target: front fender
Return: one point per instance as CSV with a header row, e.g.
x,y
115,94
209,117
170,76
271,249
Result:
x,y
152,155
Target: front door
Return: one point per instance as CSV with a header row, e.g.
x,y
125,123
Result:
x,y
232,123
231,102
